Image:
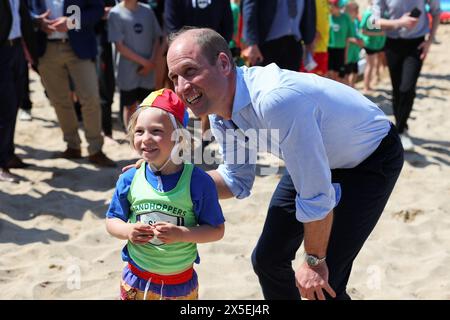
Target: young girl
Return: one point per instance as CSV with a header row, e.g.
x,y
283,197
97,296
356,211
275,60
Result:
x,y
341,30
163,208
374,40
354,45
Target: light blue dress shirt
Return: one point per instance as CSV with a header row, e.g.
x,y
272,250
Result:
x,y
15,28
314,124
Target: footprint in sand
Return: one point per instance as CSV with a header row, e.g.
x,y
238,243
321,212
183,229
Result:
x,y
408,215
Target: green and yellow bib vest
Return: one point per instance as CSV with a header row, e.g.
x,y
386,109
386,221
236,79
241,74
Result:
x,y
148,205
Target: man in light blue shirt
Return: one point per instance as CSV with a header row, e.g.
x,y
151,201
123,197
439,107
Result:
x,y
342,156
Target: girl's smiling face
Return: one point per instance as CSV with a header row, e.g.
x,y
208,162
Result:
x,y
152,136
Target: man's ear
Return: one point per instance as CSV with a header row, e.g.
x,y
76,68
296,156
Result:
x,y
224,63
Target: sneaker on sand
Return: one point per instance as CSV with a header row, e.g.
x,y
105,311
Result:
x,y
25,115
69,153
6,176
407,143
16,163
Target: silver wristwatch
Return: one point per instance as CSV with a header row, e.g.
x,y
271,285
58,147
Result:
x,y
313,261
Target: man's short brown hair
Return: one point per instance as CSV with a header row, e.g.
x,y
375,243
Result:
x,y
211,43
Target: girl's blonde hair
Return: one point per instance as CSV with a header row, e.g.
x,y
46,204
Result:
x,y
182,134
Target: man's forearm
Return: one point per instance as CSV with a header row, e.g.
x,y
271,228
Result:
x,y
317,234
222,189
386,24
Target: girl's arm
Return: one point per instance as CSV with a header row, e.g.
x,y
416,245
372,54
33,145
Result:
x,y
137,233
169,233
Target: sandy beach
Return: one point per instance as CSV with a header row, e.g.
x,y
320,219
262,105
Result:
x,y
53,242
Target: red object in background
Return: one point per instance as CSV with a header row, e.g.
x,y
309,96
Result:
x,y
240,31
321,59
445,17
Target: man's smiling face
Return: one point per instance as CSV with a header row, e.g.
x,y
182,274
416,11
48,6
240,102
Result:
x,y
200,84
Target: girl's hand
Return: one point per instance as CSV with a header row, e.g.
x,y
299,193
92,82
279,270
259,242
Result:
x,y
168,232
140,233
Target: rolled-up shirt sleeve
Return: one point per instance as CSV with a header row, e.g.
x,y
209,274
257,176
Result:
x,y
239,162
302,147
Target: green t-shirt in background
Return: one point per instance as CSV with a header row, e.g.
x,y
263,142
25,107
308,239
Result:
x,y
341,28
353,48
371,42
236,12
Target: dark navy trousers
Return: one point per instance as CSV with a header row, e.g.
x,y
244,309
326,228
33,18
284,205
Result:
x,y
404,63
365,192
13,70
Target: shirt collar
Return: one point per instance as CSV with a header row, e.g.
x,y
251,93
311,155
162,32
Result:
x,y
241,96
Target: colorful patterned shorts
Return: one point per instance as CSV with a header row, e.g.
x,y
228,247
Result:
x,y
133,288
